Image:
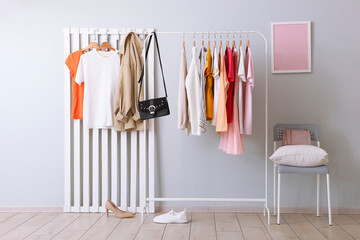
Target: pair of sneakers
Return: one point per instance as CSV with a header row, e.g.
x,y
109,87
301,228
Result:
x,y
172,217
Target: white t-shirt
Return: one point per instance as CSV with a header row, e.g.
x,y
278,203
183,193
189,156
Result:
x,y
100,72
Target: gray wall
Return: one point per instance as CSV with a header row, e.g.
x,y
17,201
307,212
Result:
x,y
31,96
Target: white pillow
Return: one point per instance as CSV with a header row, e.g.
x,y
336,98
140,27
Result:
x,y
300,156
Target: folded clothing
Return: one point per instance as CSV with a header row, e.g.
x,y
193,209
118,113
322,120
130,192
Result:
x,y
300,156
296,137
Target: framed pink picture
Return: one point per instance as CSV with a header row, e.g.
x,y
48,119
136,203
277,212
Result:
x,y
291,47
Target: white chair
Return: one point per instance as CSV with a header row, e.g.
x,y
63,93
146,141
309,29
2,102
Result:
x,y
283,169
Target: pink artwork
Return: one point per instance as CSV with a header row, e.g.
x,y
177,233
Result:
x,y
291,47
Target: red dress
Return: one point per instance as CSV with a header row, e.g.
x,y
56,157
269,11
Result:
x,y
229,63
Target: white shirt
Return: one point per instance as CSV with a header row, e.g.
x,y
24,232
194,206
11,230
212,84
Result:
x,y
193,87
100,72
216,72
241,74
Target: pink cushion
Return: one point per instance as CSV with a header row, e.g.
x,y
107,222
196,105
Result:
x,y
296,137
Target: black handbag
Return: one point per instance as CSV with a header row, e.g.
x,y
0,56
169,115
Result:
x,y
157,107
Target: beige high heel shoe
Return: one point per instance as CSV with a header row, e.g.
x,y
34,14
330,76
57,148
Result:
x,y
109,205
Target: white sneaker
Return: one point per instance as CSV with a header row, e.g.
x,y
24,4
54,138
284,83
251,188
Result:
x,y
172,217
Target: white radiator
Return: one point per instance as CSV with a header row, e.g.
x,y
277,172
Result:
x,y
103,164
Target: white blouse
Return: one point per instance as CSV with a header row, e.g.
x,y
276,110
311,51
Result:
x,y
193,89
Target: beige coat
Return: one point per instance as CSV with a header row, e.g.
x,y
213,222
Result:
x,y
126,115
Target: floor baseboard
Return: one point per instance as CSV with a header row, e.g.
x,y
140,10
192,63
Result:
x,y
31,208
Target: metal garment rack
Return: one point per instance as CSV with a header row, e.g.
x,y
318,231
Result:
x,y
265,199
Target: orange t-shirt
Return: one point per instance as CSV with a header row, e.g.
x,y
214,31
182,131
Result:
x,y
72,61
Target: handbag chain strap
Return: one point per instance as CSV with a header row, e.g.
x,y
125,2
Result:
x,y
146,54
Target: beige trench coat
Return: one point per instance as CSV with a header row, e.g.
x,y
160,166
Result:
x,y
126,114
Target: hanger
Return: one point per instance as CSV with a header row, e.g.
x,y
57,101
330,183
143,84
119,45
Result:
x,y
202,39
105,45
227,41
240,41
214,40
92,44
234,45
194,39
248,41
183,40
208,40
220,40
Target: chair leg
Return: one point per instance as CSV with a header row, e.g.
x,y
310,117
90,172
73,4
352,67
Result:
x,y
328,196
317,194
278,200
274,190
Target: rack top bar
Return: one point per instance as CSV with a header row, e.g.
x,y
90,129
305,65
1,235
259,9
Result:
x,y
212,32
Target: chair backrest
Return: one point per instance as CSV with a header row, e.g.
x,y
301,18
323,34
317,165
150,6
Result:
x,y
279,128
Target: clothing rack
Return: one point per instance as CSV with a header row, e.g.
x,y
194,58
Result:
x,y
152,199
127,175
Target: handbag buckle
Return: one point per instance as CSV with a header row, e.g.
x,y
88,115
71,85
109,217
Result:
x,y
151,109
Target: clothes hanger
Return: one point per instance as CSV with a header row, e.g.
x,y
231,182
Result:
x,y
91,45
194,39
202,39
234,45
105,45
183,40
208,40
227,41
220,40
215,40
248,41
240,41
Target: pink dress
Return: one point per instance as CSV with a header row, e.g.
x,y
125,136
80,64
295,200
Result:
x,y
231,141
249,85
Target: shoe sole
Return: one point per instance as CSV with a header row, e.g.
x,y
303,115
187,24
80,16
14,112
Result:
x,y
176,221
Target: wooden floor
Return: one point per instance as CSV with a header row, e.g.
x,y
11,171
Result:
x,y
204,226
